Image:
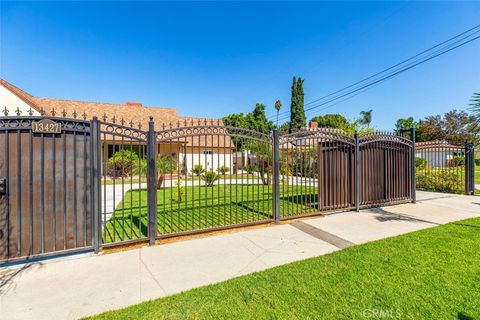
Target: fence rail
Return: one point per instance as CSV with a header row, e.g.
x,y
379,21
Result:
x,y
98,183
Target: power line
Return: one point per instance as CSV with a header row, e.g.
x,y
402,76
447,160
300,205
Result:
x,y
392,75
437,53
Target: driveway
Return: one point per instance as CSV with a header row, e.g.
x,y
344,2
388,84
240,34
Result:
x,y
88,284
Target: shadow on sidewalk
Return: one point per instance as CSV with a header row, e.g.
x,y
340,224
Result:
x,y
391,216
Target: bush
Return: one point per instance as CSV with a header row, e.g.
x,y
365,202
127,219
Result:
x,y
223,170
441,180
250,168
421,163
477,162
140,167
456,161
121,163
210,177
197,170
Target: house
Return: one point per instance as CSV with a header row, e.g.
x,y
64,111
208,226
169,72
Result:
x,y
211,150
438,153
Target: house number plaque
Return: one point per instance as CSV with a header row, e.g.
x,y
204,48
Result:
x,y
46,126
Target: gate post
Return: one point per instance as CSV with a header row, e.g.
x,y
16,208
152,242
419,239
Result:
x,y
469,168
413,165
96,185
276,177
152,182
357,173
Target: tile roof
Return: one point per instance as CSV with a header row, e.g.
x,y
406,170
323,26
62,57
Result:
x,y
130,112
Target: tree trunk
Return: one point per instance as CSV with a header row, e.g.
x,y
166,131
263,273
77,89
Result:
x,y
160,180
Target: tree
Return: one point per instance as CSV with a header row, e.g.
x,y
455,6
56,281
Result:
x,y
298,119
475,106
336,121
454,126
409,123
258,119
366,118
284,128
278,106
406,123
255,120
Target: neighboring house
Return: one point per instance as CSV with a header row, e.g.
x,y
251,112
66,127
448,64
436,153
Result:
x,y
209,150
437,153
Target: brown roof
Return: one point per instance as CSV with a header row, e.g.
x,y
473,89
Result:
x,y
434,144
130,112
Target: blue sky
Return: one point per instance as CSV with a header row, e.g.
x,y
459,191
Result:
x,y
212,59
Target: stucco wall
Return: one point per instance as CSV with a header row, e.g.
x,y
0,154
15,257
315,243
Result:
x,y
11,102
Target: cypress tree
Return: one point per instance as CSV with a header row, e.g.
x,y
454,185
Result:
x,y
298,120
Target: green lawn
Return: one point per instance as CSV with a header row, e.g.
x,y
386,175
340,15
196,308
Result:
x,y
204,207
428,274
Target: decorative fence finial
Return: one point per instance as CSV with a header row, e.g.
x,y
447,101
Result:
x,y
5,111
75,114
18,112
53,112
42,112
104,117
84,115
64,113
30,112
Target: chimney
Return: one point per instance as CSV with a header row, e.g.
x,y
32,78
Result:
x,y
134,104
313,125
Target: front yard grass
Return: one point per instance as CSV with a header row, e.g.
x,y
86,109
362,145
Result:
x,y
202,207
428,274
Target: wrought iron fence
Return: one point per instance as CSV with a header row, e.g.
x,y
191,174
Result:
x,y
105,182
211,176
442,166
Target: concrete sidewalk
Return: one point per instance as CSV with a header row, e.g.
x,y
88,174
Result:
x,y
89,284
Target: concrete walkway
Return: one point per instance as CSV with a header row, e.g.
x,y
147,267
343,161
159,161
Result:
x,y
85,285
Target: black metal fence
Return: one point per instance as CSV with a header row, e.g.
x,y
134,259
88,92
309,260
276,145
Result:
x,y
442,166
92,184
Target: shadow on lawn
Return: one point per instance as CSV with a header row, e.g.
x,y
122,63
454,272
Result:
x,y
462,316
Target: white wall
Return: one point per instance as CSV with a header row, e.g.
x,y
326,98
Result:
x,y
436,158
213,161
11,102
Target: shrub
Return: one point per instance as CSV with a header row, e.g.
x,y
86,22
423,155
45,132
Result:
x,y
223,170
456,161
210,177
441,180
120,164
180,190
421,163
140,167
197,170
477,162
165,164
250,168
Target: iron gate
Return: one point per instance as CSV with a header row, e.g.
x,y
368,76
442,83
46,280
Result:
x,y
46,194
92,184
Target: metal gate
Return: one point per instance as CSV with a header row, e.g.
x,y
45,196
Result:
x,y
46,187
68,185
331,170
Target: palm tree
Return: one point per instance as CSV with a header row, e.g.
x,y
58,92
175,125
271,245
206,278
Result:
x,y
366,117
475,106
278,106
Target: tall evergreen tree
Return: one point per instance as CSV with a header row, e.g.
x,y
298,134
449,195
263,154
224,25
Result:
x,y
298,119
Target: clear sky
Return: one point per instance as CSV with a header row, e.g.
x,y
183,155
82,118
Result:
x,y
212,59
